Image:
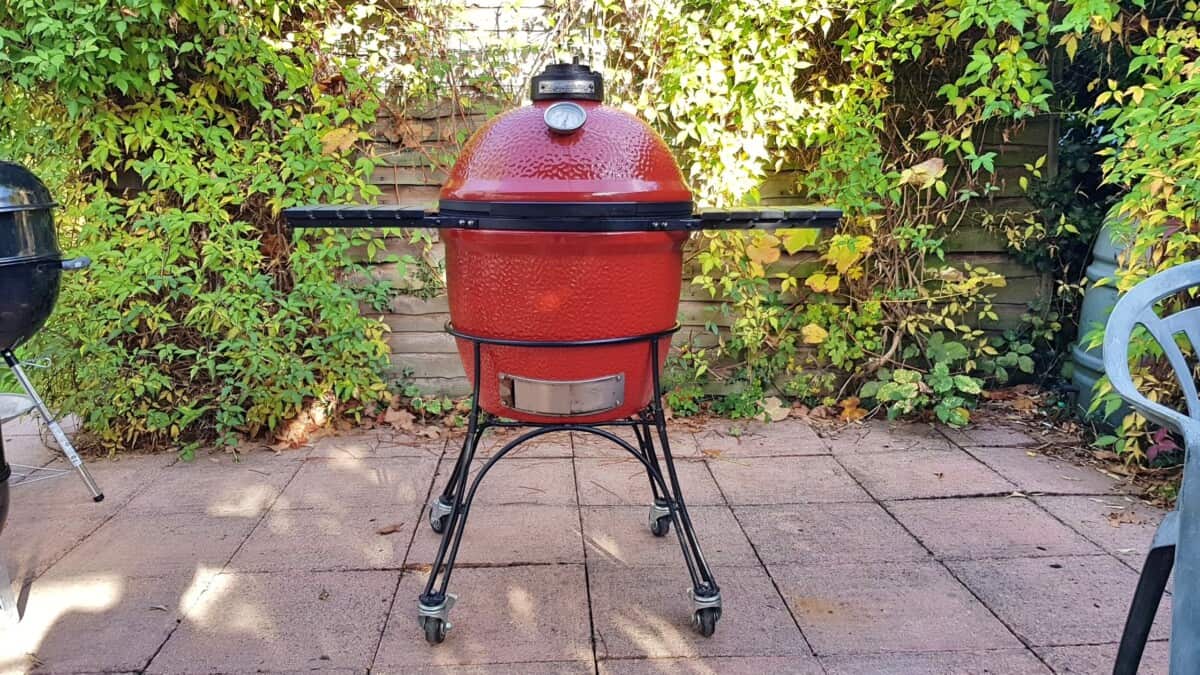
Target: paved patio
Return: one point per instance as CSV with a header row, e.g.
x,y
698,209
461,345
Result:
x,y
883,549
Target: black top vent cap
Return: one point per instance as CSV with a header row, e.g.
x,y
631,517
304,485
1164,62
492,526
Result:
x,y
567,82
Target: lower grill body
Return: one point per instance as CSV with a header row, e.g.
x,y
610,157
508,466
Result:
x,y
28,291
562,287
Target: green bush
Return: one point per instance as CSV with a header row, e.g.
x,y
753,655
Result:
x,y
174,133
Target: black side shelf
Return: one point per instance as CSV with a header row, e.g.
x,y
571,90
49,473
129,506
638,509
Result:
x,y
563,217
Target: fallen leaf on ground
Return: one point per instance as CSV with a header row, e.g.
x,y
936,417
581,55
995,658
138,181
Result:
x,y
711,453
774,410
389,529
1118,518
851,412
159,608
399,419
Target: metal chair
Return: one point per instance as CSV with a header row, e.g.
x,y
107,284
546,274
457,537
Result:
x,y
1177,542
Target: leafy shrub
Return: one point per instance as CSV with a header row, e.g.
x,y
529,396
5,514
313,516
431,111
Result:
x,y
188,127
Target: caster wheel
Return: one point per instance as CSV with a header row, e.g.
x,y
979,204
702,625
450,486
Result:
x,y
438,525
439,516
435,630
660,527
705,620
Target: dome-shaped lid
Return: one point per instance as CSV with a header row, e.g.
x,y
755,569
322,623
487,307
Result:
x,y
611,157
20,190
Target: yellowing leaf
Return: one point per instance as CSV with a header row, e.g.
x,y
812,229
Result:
x,y
823,283
925,174
845,251
762,254
813,334
794,240
338,140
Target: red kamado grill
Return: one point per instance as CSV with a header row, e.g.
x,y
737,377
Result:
x,y
564,223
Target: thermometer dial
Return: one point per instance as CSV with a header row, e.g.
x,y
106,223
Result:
x,y
565,117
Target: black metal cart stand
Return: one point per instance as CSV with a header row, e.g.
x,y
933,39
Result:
x,y
448,512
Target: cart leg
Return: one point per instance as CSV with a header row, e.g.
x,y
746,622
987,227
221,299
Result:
x,y
705,593
441,507
659,519
55,430
433,608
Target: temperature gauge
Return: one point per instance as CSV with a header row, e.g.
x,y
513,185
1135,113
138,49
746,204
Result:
x,y
565,117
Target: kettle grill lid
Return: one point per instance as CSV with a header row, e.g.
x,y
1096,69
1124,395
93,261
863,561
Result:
x,y
20,190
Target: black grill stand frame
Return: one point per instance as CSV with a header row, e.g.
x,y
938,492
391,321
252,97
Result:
x,y
448,512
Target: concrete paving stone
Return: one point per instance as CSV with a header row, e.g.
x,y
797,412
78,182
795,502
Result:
x,y
27,450
785,480
331,483
104,622
506,534
827,533
346,539
860,608
916,474
1098,659
1032,472
506,615
516,480
623,481
760,439
245,488
683,443
526,668
873,436
621,535
145,545
1058,601
119,479
1121,525
351,445
988,527
646,613
555,444
995,662
34,539
285,621
989,434
724,665
398,443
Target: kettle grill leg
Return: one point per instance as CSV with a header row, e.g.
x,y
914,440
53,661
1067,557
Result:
x,y
8,598
55,430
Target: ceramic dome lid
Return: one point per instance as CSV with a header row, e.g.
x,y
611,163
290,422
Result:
x,y
566,148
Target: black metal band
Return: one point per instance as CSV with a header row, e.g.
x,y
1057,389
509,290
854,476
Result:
x,y
600,342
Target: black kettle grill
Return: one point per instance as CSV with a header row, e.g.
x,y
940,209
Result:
x,y
31,265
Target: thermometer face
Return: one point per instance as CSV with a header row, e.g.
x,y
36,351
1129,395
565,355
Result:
x,y
565,117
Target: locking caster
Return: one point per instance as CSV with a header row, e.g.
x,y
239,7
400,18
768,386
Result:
x,y
434,619
660,518
706,610
439,515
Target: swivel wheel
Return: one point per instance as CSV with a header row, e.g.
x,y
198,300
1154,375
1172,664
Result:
x,y
660,527
660,518
439,515
435,629
705,620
